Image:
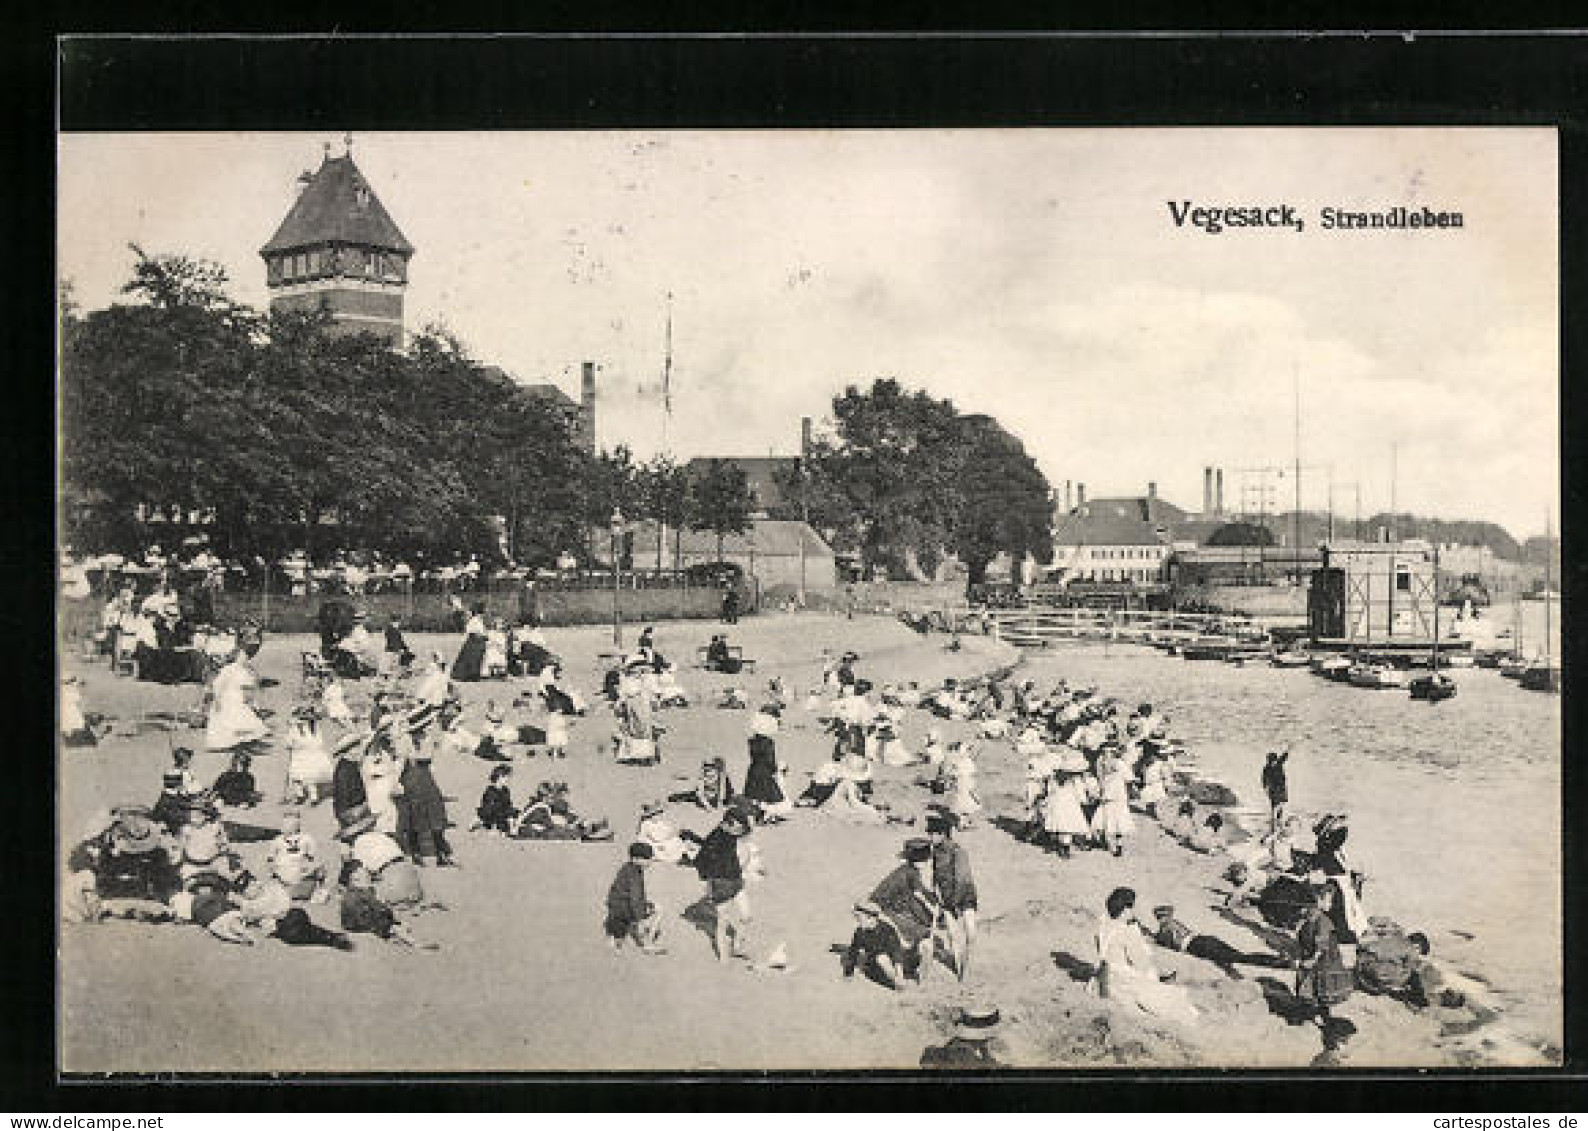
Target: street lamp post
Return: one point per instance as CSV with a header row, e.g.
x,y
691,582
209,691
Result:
x,y
617,612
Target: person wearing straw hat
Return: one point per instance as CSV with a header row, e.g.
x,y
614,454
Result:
x,y
396,879
763,780
975,1030
347,778
906,899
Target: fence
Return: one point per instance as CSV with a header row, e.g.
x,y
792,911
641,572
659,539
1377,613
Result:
x,y
564,604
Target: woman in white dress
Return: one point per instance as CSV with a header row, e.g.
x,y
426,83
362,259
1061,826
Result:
x,y
233,723
1062,817
1112,820
382,771
496,650
433,685
1126,973
309,765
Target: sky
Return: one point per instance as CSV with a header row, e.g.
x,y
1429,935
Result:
x,y
1035,275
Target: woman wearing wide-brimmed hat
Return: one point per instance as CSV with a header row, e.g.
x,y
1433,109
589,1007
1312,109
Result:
x,y
424,811
906,898
1063,818
233,722
763,782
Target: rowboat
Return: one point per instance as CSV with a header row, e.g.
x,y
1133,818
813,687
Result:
x,y
1376,677
1433,688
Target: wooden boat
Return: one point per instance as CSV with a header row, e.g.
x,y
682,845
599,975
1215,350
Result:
x,y
1376,677
1541,677
1293,659
1433,688
1337,668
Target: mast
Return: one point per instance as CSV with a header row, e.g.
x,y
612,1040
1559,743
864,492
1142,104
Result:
x,y
1435,665
667,415
1548,581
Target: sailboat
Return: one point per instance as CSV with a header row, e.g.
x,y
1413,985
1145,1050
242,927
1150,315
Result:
x,y
1544,676
1436,685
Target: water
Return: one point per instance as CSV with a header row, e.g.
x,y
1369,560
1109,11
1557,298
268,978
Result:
x,y
1455,806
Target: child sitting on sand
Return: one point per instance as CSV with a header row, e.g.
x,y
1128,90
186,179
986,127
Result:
x,y
496,810
630,915
549,816
292,860
235,785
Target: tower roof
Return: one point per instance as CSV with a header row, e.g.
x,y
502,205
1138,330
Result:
x,y
338,205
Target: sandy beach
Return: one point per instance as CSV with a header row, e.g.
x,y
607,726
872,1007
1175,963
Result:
x,y
524,981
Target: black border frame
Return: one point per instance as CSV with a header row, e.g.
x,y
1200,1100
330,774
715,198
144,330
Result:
x,y
570,80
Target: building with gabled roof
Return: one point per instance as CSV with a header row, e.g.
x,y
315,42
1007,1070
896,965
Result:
x,y
762,475
339,248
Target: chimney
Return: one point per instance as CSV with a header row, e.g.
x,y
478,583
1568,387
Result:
x,y
1152,491
805,438
1080,497
587,418
1218,492
1069,497
1207,490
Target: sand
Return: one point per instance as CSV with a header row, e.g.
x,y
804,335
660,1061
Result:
x,y
524,980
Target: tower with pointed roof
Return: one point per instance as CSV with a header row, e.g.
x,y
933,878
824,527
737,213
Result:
x,y
338,247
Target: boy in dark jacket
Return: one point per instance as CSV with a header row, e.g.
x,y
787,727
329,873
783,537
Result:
x,y
629,914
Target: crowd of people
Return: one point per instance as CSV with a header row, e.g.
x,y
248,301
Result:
x,y
1098,774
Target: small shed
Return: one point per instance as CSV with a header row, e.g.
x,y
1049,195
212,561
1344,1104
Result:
x,y
1374,593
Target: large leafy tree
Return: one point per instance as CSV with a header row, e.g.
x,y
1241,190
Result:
x,y
720,501
664,489
1005,504
904,475
275,434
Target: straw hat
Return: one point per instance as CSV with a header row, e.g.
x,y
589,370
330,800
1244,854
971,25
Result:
x,y
977,1023
351,744
355,822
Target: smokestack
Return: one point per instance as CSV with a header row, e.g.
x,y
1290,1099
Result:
x,y
1152,491
1207,490
587,419
1080,497
1218,492
1069,497
805,437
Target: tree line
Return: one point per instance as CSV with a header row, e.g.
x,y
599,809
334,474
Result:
x,y
266,435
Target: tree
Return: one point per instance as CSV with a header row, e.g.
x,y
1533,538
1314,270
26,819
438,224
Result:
x,y
905,475
1005,503
666,500
720,501
1241,534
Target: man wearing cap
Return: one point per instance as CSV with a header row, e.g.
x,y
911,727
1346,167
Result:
x,y
630,915
955,885
969,1047
906,899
